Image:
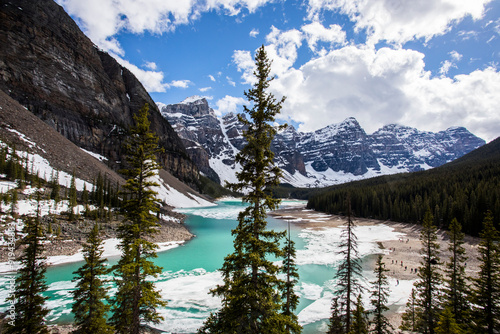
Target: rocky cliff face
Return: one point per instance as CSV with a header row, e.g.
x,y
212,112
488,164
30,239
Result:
x,y
335,154
49,66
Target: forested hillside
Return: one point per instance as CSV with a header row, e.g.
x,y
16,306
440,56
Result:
x,y
463,189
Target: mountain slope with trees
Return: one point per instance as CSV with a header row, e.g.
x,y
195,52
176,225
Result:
x,y
463,189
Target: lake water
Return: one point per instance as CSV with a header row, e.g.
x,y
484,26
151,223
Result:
x,y
190,270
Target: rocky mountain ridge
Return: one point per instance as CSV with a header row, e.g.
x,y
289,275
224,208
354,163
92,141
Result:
x,y
334,154
50,67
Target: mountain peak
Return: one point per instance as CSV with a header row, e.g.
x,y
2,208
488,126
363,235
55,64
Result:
x,y
195,99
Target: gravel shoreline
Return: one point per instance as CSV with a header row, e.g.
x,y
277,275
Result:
x,y
74,235
402,256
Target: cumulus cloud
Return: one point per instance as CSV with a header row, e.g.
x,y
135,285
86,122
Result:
x,y
385,86
211,77
180,83
205,89
400,21
316,32
101,20
245,64
282,48
229,104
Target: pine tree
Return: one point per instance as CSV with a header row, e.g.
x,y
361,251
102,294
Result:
x,y
290,299
56,189
429,276
13,203
251,300
410,318
336,324
359,319
30,283
486,286
456,289
380,294
90,296
85,197
348,271
447,323
73,197
136,300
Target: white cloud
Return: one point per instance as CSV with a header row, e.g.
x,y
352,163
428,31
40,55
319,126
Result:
x,y
455,55
282,48
254,32
229,104
205,89
180,83
101,20
245,64
211,77
385,86
151,66
445,67
447,64
400,21
152,80
231,82
316,32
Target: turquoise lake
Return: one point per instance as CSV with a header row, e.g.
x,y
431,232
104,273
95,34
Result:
x,y
190,271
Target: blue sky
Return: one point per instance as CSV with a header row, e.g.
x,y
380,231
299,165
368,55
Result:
x,y
429,64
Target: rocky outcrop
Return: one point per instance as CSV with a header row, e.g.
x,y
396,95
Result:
x,y
334,154
49,66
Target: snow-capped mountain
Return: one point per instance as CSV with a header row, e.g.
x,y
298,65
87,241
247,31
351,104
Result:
x,y
334,154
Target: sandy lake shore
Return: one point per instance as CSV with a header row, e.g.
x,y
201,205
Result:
x,y
401,257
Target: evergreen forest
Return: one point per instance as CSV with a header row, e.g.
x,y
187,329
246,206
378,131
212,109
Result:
x,y
463,189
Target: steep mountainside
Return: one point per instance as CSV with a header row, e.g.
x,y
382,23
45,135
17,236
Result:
x,y
335,154
49,151
21,129
49,66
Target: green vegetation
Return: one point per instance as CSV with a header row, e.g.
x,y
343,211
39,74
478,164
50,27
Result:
x,y
348,276
486,287
136,299
379,296
463,189
90,307
252,291
430,278
30,283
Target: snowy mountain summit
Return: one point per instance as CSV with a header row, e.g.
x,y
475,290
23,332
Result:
x,y
335,154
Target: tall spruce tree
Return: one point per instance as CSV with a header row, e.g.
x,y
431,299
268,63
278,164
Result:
x,y
90,307
486,286
30,283
430,278
456,288
359,318
410,318
348,271
336,323
251,300
379,296
72,198
289,297
136,300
